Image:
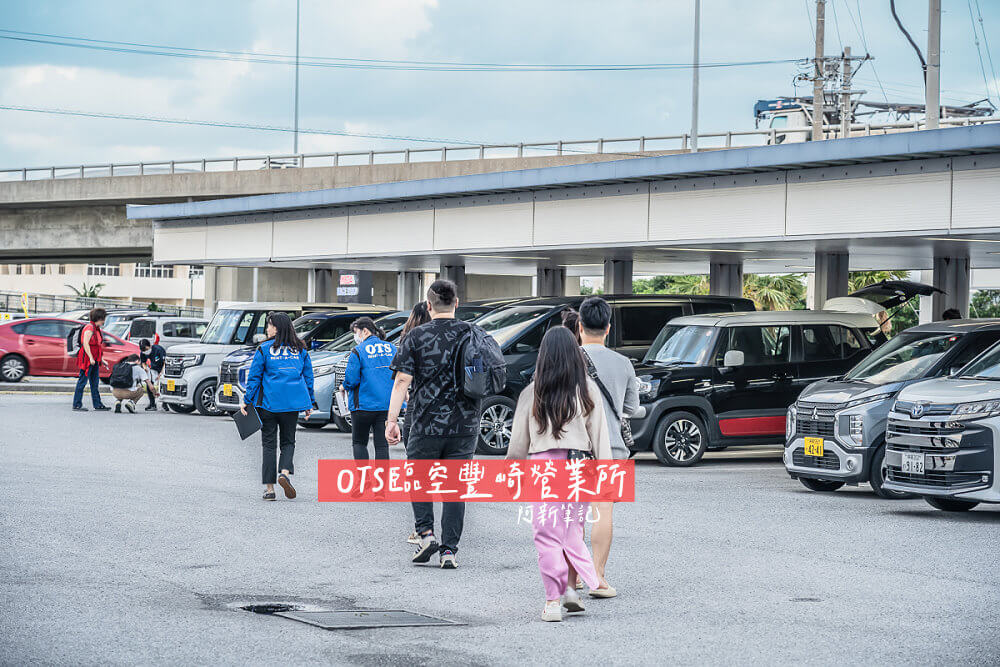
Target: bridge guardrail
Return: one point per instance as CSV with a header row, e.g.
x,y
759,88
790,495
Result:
x,y
626,147
51,303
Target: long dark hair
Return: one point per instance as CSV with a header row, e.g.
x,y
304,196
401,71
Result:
x,y
285,335
560,379
418,316
368,323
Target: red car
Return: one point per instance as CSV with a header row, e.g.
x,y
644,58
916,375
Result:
x,y
37,346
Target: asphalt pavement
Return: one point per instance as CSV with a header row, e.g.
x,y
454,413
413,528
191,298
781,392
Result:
x,y
135,538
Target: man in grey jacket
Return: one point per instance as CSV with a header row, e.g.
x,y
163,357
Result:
x,y
615,373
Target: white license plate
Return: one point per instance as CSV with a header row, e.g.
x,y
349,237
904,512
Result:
x,y
913,463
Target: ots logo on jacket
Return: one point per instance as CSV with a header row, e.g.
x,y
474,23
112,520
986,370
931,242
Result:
x,y
368,377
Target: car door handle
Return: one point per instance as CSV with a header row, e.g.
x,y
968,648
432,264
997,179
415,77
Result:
x,y
29,342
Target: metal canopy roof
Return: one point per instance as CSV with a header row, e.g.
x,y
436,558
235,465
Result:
x,y
947,142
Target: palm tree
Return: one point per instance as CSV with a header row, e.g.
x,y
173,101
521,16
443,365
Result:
x,y
858,279
88,291
696,284
774,292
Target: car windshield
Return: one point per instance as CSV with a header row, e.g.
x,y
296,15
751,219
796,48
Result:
x,y
689,345
305,325
507,323
117,328
908,356
391,323
220,330
984,367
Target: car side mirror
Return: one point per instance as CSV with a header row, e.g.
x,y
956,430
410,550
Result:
x,y
258,339
733,358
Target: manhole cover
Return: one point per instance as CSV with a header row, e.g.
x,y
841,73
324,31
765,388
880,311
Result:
x,y
364,619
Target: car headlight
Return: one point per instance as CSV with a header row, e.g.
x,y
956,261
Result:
x,y
789,424
325,369
976,409
191,360
648,386
866,399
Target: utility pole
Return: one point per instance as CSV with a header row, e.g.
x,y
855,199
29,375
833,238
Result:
x,y
820,73
846,112
932,100
694,77
295,141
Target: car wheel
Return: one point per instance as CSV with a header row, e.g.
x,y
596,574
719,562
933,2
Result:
x,y
681,439
951,504
495,424
877,478
204,399
13,368
313,425
183,409
343,424
820,485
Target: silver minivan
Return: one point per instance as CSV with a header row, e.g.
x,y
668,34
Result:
x,y
167,331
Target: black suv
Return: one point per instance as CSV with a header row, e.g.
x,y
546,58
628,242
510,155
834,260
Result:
x,y
636,320
712,381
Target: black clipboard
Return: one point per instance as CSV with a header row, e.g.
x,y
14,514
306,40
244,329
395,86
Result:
x,y
249,424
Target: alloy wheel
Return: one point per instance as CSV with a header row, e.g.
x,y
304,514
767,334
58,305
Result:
x,y
12,369
495,426
208,399
683,439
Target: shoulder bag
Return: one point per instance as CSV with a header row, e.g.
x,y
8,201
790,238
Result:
x,y
626,425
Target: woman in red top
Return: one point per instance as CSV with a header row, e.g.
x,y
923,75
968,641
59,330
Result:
x,y
89,360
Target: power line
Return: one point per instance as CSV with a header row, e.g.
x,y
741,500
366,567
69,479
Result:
x,y
864,41
836,24
979,52
989,52
242,126
355,63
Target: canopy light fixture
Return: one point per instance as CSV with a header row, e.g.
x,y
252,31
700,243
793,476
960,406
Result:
x,y
952,238
705,250
505,257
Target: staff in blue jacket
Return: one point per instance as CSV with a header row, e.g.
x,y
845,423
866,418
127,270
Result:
x,y
368,381
280,384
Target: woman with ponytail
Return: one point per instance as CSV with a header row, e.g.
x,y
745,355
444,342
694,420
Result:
x,y
368,381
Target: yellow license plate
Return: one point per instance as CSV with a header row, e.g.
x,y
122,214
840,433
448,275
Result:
x,y
171,385
227,389
814,446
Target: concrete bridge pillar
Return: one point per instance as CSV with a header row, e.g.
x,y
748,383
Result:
x,y
551,281
617,276
210,288
409,289
324,286
831,277
951,274
725,278
456,274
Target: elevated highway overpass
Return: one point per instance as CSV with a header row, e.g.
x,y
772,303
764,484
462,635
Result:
x,y
927,200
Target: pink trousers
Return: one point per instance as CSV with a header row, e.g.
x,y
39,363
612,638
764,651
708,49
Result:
x,y
558,530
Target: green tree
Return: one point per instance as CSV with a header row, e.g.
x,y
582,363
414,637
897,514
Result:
x,y
985,303
89,291
152,307
858,279
774,292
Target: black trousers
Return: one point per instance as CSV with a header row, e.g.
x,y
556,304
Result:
x,y
271,423
452,514
364,422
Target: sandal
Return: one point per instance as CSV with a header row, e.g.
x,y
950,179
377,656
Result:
x,y
269,495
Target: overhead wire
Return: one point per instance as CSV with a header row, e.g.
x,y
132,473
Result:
x,y
989,51
864,42
355,63
979,52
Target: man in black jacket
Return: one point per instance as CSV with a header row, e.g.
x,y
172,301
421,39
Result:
x,y
153,356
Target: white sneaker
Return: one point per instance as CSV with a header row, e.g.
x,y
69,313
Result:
x,y
118,407
413,539
428,545
552,612
448,560
130,406
571,600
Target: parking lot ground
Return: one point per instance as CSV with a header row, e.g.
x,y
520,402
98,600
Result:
x,y
130,538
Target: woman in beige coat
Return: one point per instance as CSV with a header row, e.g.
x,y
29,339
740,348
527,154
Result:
x,y
556,414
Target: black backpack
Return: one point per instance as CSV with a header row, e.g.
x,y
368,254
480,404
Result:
x,y
73,341
121,375
481,363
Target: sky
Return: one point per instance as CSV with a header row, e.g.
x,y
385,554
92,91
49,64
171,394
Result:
x,y
492,107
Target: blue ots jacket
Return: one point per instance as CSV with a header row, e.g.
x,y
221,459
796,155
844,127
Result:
x,y
280,380
368,379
